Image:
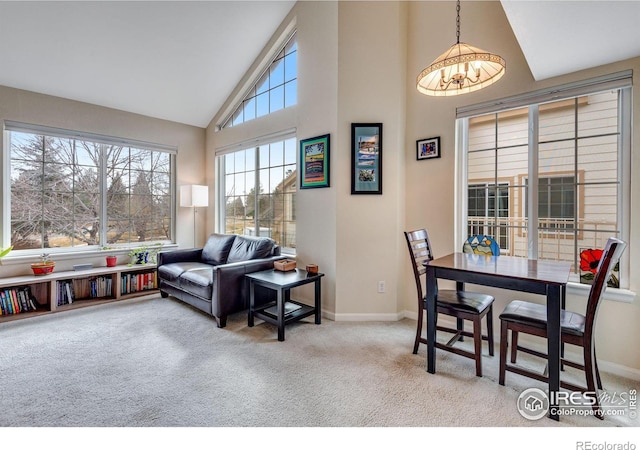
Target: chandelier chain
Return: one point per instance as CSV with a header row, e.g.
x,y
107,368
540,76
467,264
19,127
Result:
x,y
458,22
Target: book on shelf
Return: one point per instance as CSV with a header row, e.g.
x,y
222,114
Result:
x,y
288,308
16,300
135,282
64,292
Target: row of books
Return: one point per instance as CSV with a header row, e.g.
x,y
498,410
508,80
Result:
x,y
16,300
70,290
135,282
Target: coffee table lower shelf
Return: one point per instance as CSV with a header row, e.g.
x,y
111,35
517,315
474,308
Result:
x,y
293,316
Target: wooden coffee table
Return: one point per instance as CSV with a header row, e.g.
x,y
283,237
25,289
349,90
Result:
x,y
283,310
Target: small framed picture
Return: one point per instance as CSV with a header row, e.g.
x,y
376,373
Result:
x,y
366,158
314,162
428,148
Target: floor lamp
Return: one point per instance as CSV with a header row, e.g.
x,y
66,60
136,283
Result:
x,y
194,196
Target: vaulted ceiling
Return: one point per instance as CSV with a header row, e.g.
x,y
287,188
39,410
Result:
x,y
180,60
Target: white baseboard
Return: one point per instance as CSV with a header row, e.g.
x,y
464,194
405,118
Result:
x,y
367,317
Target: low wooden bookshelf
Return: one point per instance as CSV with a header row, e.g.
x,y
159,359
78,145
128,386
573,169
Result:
x,y
50,293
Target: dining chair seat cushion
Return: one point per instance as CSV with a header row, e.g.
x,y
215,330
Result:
x,y
468,301
535,315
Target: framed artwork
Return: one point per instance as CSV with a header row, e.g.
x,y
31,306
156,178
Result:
x,y
428,148
366,158
314,162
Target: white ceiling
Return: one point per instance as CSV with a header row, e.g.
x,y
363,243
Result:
x,y
180,60
560,37
172,60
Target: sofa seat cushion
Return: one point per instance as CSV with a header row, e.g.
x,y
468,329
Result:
x,y
198,282
246,248
171,272
216,250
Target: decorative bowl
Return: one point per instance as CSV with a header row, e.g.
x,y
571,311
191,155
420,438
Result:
x,y
43,268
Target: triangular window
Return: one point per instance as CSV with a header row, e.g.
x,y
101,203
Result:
x,y
275,89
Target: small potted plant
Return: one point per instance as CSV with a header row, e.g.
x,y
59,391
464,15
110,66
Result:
x,y
112,259
139,255
44,267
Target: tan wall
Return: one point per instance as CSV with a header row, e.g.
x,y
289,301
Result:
x,y
29,107
314,115
429,184
372,80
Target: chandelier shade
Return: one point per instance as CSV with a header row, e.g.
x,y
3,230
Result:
x,y
461,69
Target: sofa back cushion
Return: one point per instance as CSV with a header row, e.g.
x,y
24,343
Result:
x,y
245,248
216,250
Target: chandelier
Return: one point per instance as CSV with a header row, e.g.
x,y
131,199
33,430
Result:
x,y
461,69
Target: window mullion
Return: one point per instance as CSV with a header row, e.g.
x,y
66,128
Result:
x,y
256,199
103,195
532,194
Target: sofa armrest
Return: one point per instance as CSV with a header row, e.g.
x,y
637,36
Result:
x,y
174,256
230,293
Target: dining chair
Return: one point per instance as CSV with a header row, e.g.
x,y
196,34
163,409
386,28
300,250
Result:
x,y
463,305
576,329
481,244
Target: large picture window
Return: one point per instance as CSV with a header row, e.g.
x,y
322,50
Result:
x,y
257,188
73,192
548,178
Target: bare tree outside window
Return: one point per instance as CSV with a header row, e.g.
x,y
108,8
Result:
x,y
57,195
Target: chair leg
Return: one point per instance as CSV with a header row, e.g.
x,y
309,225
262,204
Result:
x,y
490,329
477,343
595,363
514,346
589,370
418,330
504,331
460,327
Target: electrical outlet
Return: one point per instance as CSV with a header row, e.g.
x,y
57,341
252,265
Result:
x,y
381,287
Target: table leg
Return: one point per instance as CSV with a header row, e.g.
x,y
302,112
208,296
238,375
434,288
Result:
x,y
431,319
280,306
251,302
318,303
554,295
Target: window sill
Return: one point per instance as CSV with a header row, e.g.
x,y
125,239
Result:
x,y
70,255
616,295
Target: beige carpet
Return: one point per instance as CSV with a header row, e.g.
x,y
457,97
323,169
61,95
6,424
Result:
x,y
157,362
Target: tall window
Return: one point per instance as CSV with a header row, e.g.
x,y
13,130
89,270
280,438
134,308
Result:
x,y
71,192
258,189
547,178
276,89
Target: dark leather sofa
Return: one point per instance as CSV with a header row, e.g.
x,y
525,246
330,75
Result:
x,y
212,278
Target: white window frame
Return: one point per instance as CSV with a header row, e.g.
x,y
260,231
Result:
x,y
5,233
220,175
620,80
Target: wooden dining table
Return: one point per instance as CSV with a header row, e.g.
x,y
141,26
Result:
x,y
548,278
